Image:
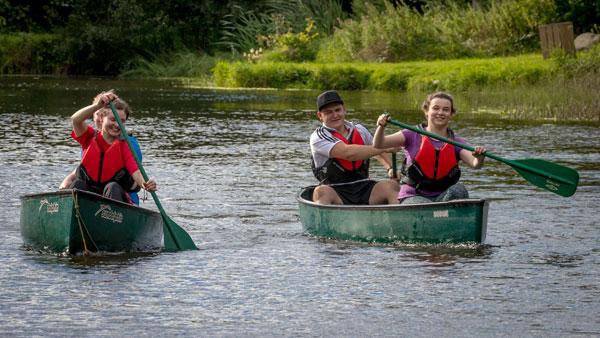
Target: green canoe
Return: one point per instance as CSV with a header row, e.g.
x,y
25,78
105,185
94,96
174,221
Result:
x,y
458,221
72,221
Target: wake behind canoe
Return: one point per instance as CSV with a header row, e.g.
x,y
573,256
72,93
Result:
x,y
458,221
69,221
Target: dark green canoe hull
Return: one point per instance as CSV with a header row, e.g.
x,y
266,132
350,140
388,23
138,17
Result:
x,y
459,221
62,221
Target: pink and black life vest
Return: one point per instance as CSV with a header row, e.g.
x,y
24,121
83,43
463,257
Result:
x,y
432,169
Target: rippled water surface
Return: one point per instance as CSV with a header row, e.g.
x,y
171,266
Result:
x,y
228,165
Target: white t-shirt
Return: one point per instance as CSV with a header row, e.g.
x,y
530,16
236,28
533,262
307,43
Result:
x,y
322,140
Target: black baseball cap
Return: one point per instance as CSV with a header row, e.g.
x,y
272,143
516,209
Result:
x,y
328,97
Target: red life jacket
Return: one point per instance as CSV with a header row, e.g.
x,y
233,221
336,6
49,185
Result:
x,y
103,163
337,170
432,169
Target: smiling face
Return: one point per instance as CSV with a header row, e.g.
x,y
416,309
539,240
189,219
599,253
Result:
x,y
110,126
333,115
439,113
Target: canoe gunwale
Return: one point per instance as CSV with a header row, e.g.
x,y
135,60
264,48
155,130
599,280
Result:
x,y
380,207
89,195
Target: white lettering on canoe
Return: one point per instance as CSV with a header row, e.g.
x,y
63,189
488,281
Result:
x,y
107,213
440,213
50,207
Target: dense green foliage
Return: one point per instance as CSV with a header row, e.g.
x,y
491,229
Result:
x,y
585,64
28,53
263,25
392,34
110,37
105,37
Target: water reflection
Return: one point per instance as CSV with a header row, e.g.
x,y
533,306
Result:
x,y
86,263
229,165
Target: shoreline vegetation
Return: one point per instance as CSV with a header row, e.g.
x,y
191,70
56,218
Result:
x,y
483,46
526,86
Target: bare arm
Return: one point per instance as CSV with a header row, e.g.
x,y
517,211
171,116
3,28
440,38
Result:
x,y
473,159
355,152
382,141
386,161
139,179
78,119
68,180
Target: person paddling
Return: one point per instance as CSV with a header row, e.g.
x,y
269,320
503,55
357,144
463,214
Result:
x,y
340,159
97,118
107,165
430,170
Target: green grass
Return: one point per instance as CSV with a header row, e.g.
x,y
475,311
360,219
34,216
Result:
x,y
524,87
460,74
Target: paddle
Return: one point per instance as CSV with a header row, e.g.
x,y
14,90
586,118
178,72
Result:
x,y
394,167
550,176
175,237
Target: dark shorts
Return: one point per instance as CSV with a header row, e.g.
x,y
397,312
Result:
x,y
355,193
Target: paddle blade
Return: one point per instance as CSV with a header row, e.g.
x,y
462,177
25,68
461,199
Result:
x,y
175,237
565,179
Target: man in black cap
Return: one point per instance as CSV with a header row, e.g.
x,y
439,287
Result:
x,y
340,159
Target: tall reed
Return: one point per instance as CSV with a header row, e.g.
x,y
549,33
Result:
x,y
245,29
184,63
442,31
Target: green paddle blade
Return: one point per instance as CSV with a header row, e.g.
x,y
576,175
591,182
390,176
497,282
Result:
x,y
550,176
175,237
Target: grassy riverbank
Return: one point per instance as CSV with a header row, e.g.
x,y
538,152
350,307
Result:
x,y
526,86
420,75
520,87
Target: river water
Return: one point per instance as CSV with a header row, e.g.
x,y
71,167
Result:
x,y
228,164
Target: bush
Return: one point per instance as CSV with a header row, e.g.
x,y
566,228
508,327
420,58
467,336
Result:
x,y
339,76
445,30
465,74
262,75
30,53
223,74
429,76
281,24
586,63
386,79
300,46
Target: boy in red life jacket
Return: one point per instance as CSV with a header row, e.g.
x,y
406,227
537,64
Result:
x,y
340,159
431,169
107,166
97,118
